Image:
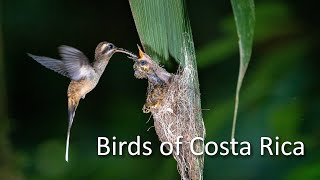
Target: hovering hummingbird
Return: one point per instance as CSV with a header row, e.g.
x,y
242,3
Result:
x,y
83,74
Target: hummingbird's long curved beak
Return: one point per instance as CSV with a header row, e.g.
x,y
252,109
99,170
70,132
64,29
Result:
x,y
126,52
135,59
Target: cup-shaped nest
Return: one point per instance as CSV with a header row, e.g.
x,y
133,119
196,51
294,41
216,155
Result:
x,y
177,115
173,101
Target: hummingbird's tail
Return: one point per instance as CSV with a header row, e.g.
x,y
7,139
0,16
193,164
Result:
x,y
72,106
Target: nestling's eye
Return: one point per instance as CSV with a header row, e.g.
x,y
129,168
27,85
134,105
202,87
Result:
x,y
143,62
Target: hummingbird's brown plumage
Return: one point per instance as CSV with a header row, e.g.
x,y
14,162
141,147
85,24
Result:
x,y
83,74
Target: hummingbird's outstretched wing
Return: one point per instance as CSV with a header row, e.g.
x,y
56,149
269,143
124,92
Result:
x,y
75,62
50,63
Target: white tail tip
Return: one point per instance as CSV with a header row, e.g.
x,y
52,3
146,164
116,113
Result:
x,y
67,148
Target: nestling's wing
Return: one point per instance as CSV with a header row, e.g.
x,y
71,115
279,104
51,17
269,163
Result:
x,y
75,62
50,63
163,74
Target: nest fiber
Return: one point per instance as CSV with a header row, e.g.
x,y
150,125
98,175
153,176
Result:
x,y
178,115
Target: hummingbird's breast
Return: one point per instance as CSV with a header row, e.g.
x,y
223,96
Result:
x,y
78,89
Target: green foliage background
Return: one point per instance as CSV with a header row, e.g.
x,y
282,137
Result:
x,y
279,96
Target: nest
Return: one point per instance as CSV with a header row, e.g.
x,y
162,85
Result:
x,y
179,115
174,101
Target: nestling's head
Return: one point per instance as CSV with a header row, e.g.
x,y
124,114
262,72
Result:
x,y
143,66
146,68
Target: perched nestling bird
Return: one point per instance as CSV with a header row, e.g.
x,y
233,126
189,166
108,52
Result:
x,y
158,79
83,74
145,67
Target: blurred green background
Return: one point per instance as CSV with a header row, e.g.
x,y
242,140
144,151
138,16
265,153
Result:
x,y
280,94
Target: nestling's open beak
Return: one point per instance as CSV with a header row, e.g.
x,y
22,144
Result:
x,y
133,56
141,53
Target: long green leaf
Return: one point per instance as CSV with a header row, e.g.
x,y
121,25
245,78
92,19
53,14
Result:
x,y
245,20
163,28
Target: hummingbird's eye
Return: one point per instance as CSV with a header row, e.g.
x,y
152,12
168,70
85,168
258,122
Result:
x,y
110,46
143,62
